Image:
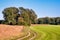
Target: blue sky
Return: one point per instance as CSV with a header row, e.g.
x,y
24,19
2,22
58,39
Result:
x,y
43,8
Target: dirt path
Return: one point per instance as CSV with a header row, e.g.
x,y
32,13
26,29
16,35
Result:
x,y
24,36
33,36
29,34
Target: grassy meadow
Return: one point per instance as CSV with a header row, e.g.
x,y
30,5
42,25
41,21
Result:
x,y
46,32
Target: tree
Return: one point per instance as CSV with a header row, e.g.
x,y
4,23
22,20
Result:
x,y
21,21
28,14
13,15
40,21
10,15
32,15
52,20
57,20
46,20
24,15
2,21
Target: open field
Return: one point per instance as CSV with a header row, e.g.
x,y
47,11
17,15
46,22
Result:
x,y
47,32
35,32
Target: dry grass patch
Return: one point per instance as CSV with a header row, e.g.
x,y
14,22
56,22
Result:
x,y
7,31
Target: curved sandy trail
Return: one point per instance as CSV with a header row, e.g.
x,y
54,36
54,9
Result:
x,y
29,34
34,35
24,36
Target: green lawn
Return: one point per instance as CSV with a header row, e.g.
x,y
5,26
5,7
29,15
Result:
x,y
47,32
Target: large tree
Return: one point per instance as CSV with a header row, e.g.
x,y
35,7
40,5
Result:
x,y
28,15
24,14
10,15
13,15
32,15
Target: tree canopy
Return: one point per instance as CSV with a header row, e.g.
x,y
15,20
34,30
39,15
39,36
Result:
x,y
20,16
47,20
25,16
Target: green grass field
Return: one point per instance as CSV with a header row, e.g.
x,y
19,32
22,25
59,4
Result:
x,y
46,32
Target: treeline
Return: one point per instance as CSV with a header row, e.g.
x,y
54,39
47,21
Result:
x,y
18,16
25,16
47,20
2,21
